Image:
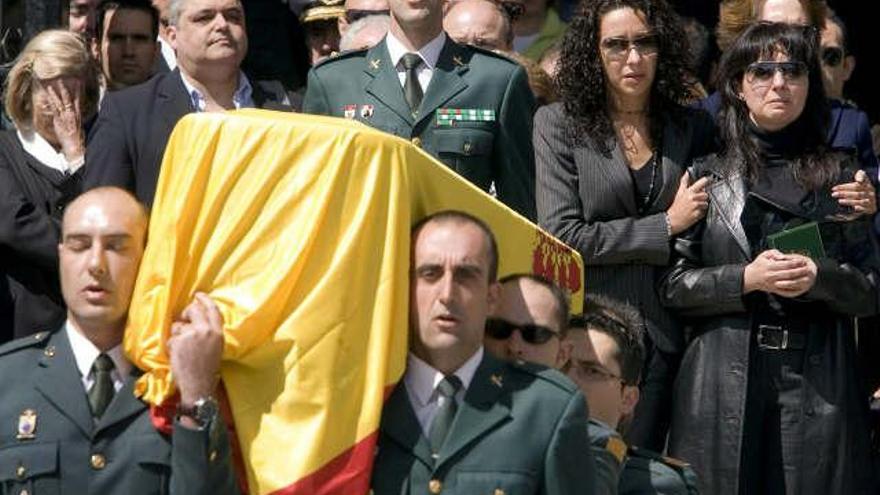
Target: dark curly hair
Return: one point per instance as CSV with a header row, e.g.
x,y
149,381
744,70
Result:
x,y
581,77
813,165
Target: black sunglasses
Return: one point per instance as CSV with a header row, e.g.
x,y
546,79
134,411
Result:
x,y
764,71
352,15
832,56
533,334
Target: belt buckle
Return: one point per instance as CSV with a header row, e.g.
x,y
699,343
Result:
x,y
761,342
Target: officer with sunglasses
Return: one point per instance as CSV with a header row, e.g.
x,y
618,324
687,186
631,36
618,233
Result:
x,y
529,322
606,355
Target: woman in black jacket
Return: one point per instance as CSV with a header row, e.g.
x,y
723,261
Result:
x,y
767,399
50,91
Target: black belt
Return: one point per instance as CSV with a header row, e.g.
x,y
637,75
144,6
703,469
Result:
x,y
779,338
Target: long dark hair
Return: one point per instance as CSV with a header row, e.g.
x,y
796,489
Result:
x,y
812,165
581,77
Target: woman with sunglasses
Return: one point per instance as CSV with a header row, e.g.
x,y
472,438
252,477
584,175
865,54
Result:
x,y
848,127
610,160
767,399
51,90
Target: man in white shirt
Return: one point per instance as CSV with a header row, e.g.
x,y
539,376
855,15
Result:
x,y
74,424
460,420
126,145
470,108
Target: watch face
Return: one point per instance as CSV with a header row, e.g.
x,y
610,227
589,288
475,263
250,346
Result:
x,y
206,409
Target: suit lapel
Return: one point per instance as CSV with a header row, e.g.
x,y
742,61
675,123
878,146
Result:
x,y
619,178
384,84
728,197
60,383
447,80
173,98
481,410
123,405
399,422
675,153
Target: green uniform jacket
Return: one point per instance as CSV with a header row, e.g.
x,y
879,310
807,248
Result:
x,y
649,473
49,442
609,450
493,144
521,429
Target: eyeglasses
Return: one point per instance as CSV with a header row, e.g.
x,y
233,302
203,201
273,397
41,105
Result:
x,y
618,48
594,372
352,15
533,334
832,56
760,74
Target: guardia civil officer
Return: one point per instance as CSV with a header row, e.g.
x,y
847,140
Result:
x,y
469,107
606,360
69,420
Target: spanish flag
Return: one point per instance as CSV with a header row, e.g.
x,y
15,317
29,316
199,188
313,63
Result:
x,y
298,226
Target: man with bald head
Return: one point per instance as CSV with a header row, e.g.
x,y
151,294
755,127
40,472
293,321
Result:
x,y
480,23
75,425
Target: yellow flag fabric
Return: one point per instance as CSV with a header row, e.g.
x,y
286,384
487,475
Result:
x,y
298,226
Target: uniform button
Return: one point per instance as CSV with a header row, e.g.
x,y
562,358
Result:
x,y
811,412
50,351
21,472
24,492
417,141
98,461
499,491
467,148
212,456
435,486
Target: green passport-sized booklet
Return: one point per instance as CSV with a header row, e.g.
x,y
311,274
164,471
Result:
x,y
804,239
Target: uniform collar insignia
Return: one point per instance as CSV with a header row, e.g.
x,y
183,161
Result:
x,y
457,61
375,63
497,380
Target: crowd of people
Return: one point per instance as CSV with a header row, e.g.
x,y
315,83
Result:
x,y
723,207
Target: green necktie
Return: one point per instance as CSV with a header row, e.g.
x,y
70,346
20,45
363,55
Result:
x,y
102,390
412,90
445,413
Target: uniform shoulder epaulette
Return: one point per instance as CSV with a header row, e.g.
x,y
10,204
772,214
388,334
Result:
x,y
24,342
547,374
492,53
340,56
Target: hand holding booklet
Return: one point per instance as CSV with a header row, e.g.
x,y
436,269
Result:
x,y
804,239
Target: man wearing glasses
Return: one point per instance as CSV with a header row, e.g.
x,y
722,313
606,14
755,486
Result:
x,y
530,321
606,362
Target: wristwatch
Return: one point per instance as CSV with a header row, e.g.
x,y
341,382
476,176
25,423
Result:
x,y
203,410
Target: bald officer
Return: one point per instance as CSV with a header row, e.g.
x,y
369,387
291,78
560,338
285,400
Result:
x,y
470,108
70,420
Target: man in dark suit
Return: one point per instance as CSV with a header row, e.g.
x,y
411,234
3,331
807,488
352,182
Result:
x,y
73,422
461,421
127,143
470,108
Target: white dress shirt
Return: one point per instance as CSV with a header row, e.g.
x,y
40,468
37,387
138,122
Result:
x,y
85,353
429,54
167,53
242,98
421,382
34,145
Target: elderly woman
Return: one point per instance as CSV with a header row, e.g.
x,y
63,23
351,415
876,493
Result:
x,y
50,91
610,161
767,399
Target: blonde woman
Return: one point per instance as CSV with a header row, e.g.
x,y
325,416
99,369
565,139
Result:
x,y
50,91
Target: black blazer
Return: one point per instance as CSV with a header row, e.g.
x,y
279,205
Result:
x,y
32,198
127,143
587,200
